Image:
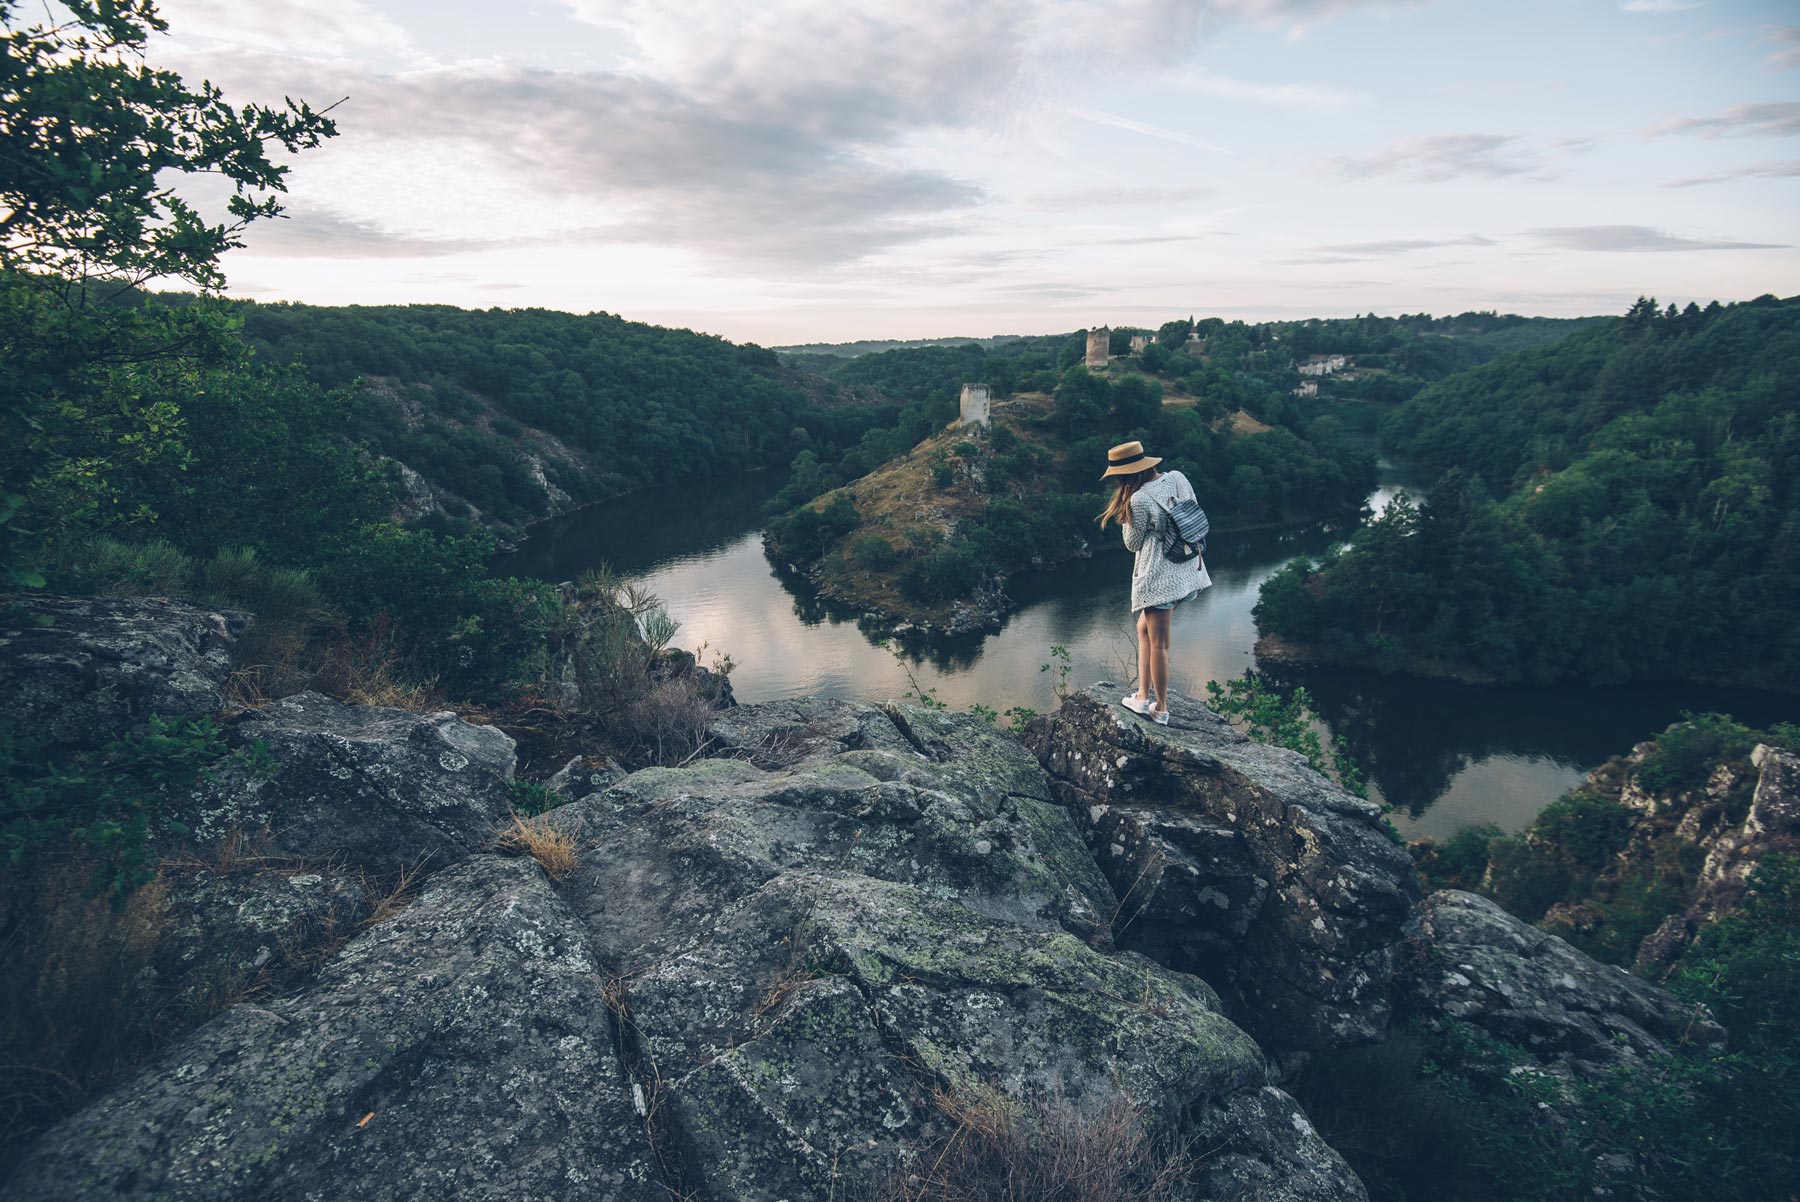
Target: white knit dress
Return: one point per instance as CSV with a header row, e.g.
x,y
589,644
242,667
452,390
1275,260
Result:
x,y
1154,580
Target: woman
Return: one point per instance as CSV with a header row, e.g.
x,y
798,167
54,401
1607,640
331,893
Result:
x,y
1140,506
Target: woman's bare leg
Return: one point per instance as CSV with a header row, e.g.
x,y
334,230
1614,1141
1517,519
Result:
x,y
1159,654
1143,660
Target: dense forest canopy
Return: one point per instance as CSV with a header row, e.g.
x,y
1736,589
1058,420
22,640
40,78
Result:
x,y
1621,505
610,404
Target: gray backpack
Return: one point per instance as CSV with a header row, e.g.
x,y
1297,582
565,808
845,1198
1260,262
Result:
x,y
1186,532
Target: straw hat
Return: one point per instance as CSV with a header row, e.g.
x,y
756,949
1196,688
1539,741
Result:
x,y
1128,459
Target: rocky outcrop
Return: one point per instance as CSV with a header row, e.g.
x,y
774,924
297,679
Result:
x,y
358,785
461,1050
1235,860
79,672
858,907
1734,837
779,972
1469,960
765,979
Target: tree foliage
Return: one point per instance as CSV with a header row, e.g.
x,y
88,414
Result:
x,y
1646,524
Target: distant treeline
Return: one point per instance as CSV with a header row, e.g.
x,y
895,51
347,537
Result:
x,y
471,398
1621,505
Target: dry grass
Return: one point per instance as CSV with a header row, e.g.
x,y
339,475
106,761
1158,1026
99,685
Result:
x,y
553,847
1047,1149
75,1012
367,669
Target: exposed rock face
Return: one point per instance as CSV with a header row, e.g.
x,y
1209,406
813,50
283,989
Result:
x,y
102,666
362,786
874,903
1733,845
772,966
754,987
1237,861
470,1029
1468,959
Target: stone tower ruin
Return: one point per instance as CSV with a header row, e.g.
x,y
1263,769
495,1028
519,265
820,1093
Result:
x,y
1099,347
974,405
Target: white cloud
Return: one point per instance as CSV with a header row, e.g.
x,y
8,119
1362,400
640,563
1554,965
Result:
x,y
1788,56
1770,118
1615,238
1400,246
1085,198
1284,95
334,30
1779,170
1658,6
1114,121
1438,158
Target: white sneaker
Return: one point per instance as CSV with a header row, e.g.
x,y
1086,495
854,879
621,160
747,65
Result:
x,y
1160,717
1131,702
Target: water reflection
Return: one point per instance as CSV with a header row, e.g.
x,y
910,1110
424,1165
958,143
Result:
x,y
1445,754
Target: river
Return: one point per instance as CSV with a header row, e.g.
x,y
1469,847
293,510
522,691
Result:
x,y
1445,754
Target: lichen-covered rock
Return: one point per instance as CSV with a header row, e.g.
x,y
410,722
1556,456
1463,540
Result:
x,y
872,905
1467,959
222,933
83,671
1268,1151
1236,860
968,818
361,785
768,977
460,1050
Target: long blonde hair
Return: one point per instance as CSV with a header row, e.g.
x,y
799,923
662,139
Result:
x,y
1118,509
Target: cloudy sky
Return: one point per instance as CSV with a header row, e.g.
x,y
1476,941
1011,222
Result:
x,y
800,170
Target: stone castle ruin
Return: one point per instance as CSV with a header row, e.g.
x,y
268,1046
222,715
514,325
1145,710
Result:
x,y
1099,347
974,405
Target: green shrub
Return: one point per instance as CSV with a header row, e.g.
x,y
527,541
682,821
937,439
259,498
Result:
x,y
941,574
531,799
1459,861
480,635
108,803
1587,828
874,552
1686,754
808,533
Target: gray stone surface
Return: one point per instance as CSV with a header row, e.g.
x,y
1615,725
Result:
x,y
471,1027
757,985
875,903
1468,959
1236,860
361,786
226,935
102,666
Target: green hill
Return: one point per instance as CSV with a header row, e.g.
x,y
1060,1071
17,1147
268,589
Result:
x,y
510,415
1624,504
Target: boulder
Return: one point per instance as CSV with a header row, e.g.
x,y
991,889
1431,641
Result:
x,y
359,785
1237,861
1467,959
460,1050
859,907
79,672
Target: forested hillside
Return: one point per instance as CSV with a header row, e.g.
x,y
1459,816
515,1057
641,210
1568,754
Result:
x,y
522,412
1621,505
1246,365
